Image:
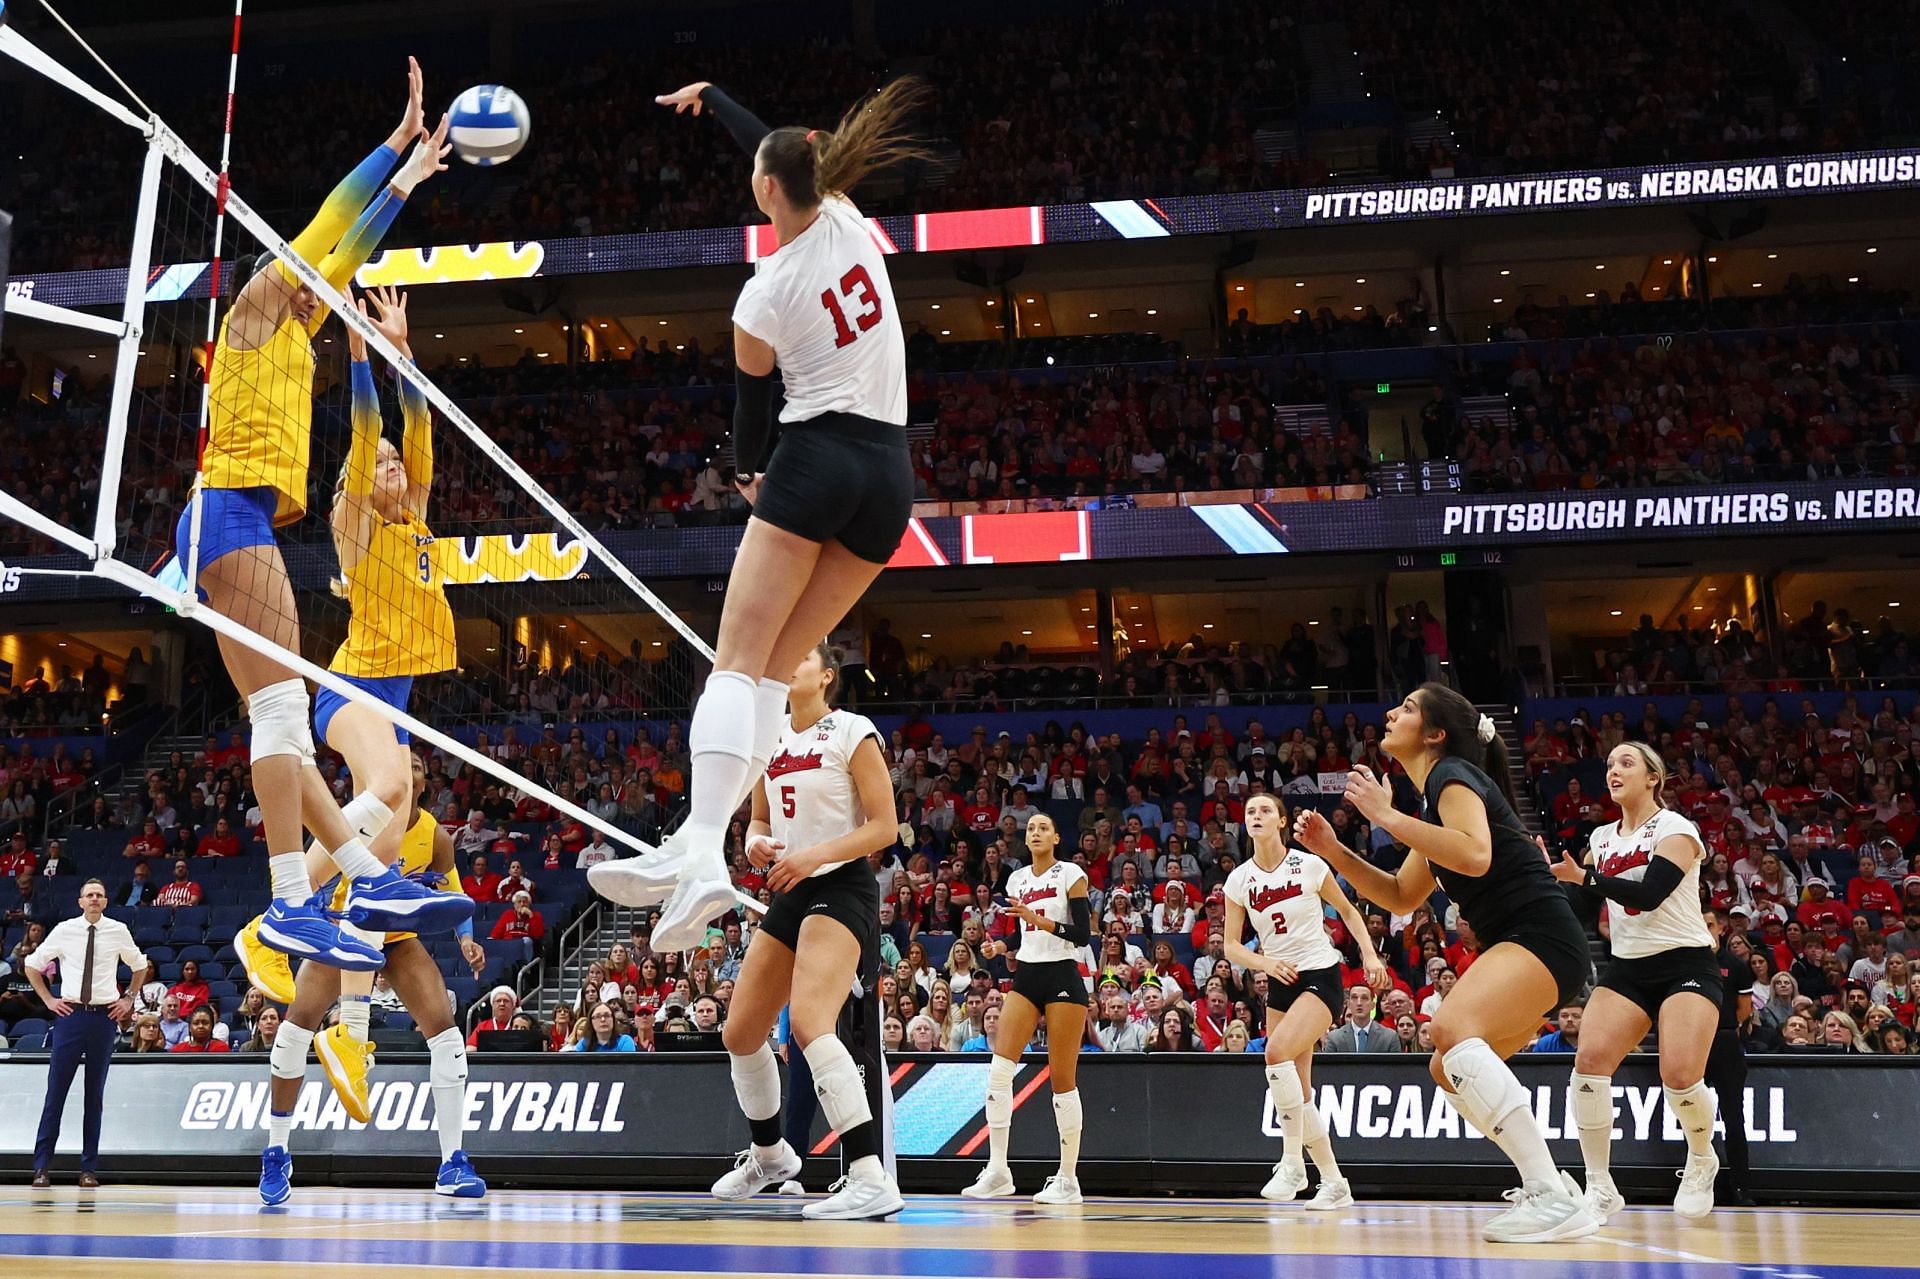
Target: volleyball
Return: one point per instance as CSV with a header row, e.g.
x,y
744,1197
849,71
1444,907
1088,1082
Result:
x,y
490,124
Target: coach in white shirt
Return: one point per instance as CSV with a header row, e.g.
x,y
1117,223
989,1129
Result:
x,y
88,952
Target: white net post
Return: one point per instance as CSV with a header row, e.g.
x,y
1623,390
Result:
x,y
127,357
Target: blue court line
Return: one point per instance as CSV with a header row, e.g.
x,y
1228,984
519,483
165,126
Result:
x,y
934,1263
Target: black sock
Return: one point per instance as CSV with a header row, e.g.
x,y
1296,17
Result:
x,y
860,1141
766,1132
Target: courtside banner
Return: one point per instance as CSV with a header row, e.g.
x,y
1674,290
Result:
x,y
1831,1115
1031,225
1406,527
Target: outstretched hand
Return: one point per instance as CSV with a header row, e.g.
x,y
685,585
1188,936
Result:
x,y
389,316
429,157
413,121
1569,871
685,99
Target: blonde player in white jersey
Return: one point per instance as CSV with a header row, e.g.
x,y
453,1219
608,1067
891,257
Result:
x,y
831,491
1056,924
1647,866
1284,892
826,803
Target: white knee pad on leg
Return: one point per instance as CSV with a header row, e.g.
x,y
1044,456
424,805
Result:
x,y
1313,1129
836,1080
1592,1102
1692,1106
288,1058
756,1082
1485,1090
1067,1115
1283,1081
1000,1091
448,1068
279,716
368,814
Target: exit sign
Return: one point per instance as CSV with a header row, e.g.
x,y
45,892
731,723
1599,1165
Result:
x,y
1383,388
1448,559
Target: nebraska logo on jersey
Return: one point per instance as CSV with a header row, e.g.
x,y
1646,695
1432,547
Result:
x,y
1622,863
1262,898
787,762
1033,895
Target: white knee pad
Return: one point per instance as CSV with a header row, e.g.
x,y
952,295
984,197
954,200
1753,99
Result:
x,y
367,814
836,1080
1000,1091
1067,1115
1283,1081
1592,1102
448,1068
288,1057
1485,1090
279,715
1313,1129
1692,1106
756,1082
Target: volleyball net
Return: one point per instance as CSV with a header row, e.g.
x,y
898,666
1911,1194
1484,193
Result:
x,y
548,625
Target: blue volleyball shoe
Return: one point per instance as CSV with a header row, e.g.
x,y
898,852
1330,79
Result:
x,y
276,1176
311,931
392,903
458,1179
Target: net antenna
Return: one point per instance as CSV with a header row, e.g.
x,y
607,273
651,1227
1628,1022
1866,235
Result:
x,y
164,147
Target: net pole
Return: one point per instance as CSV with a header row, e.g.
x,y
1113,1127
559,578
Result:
x,y
106,527
223,186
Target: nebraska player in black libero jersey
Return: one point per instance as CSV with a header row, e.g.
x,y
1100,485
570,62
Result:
x,y
1533,952
831,493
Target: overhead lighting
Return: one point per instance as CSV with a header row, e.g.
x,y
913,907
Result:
x,y
1713,590
1772,256
1152,311
1239,288
1893,603
603,324
1666,261
1206,626
1299,284
989,301
1590,295
656,644
516,330
1698,607
1313,623
566,328
1134,607
1873,250
1359,308
442,335
1360,279
1756,284
1599,266
926,634
1498,301
1504,271
542,354
1713,259
1026,632
1853,279
1085,608
1093,315
1616,612
1030,301
946,333
936,306
1433,328
663,324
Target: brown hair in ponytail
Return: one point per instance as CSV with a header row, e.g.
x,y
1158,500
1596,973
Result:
x,y
1444,710
811,164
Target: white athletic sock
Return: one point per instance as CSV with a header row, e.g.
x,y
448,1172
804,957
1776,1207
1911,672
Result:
x,y
720,739
356,1014
279,1128
289,872
1693,1107
1319,1146
1000,1077
448,1073
1290,1103
355,861
756,1085
1489,1097
1592,1109
1067,1117
769,718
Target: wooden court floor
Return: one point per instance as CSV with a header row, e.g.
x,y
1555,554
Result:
x,y
164,1232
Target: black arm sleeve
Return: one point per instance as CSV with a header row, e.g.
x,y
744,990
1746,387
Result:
x,y
1079,929
746,128
1661,879
753,419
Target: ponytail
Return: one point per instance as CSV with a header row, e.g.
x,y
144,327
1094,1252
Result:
x,y
1446,711
812,164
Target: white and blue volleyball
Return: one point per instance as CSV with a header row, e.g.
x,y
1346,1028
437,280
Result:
x,y
490,124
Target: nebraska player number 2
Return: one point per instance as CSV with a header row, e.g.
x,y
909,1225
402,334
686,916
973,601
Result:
x,y
856,286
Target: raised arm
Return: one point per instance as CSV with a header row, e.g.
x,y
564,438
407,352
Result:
x,y
1400,892
1463,841
416,441
363,237
747,129
352,516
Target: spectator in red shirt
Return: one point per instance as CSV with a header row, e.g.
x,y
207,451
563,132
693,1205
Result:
x,y
979,813
200,1035
1223,806
1819,908
503,1003
1462,953
180,890
190,990
218,842
515,883
148,843
481,885
18,857
1869,892
522,924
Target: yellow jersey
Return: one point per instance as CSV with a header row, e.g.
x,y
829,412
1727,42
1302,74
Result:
x,y
402,623
414,859
260,417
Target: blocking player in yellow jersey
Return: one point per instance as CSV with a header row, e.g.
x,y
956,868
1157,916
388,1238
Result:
x,y
253,480
424,854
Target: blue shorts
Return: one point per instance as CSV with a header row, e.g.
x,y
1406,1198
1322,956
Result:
x,y
395,691
231,520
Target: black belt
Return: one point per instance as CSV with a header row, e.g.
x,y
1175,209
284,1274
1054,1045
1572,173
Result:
x,y
91,1008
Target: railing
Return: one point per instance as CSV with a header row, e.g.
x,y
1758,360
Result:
x,y
1759,686
62,807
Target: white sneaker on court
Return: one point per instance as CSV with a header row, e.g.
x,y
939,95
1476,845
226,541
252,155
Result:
x,y
1334,1192
792,1188
857,1199
1288,1180
753,1172
1059,1190
1603,1198
1695,1199
994,1182
1543,1212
